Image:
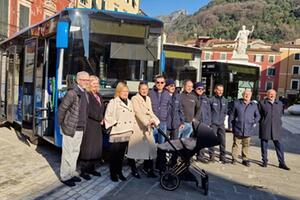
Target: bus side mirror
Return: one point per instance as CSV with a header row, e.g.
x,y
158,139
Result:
x,y
62,34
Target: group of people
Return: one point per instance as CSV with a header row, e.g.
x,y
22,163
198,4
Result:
x,y
132,124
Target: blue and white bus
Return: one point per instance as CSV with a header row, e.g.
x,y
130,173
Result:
x,y
38,63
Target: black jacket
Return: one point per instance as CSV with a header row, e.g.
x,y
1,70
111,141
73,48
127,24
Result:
x,y
69,109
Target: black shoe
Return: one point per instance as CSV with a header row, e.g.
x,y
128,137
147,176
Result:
x,y
69,183
85,176
283,166
264,164
95,173
201,159
122,177
76,179
234,161
246,163
114,178
135,174
151,174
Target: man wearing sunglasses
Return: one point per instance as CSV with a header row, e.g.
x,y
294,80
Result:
x,y
160,100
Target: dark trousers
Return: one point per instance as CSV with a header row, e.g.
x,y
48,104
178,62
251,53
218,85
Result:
x,y
219,130
278,148
117,152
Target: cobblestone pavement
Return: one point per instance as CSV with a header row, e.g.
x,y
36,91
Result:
x,y
31,172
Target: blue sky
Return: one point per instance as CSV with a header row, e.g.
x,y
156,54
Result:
x,y
164,7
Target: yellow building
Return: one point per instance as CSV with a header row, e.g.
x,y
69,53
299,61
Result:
x,y
289,76
128,6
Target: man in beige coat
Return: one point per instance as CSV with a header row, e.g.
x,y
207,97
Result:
x,y
141,144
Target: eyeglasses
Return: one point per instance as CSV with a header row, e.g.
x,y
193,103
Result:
x,y
199,88
157,82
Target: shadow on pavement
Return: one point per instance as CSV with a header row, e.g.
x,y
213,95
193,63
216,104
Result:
x,y
220,188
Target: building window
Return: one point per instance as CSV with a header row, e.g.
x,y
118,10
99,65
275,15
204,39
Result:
x,y
295,84
223,56
128,1
23,17
296,69
4,19
271,59
297,56
269,85
103,5
258,58
271,71
133,3
207,55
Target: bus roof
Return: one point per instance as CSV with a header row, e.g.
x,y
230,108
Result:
x,y
99,14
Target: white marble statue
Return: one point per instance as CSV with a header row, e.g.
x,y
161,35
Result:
x,y
242,40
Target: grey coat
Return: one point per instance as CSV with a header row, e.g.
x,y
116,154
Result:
x,y
270,123
68,111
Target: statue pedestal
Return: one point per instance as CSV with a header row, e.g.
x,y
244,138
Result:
x,y
240,57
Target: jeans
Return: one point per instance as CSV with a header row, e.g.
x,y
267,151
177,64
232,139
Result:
x,y
157,136
186,131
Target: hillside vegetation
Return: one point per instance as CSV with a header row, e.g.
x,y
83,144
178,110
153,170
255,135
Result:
x,y
274,20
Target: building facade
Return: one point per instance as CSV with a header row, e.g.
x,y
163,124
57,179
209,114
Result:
x,y
289,75
17,14
258,53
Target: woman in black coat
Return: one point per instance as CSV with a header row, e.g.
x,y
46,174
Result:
x,y
91,146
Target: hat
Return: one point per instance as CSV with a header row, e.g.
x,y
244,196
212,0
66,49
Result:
x,y
170,82
199,85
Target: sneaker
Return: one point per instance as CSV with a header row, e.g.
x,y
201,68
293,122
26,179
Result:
x,y
283,166
135,174
264,164
85,176
122,177
69,183
234,161
76,179
246,163
211,159
201,159
95,173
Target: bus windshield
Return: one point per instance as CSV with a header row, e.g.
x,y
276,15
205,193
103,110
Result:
x,y
112,49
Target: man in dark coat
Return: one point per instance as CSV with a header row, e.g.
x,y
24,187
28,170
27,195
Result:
x,y
205,113
271,128
72,116
175,119
160,99
244,117
218,106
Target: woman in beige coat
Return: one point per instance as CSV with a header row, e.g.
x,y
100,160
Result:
x,y
119,116
141,144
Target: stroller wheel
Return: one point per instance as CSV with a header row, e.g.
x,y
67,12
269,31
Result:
x,y
204,183
169,181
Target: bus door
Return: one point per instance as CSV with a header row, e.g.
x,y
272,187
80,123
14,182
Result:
x,y
13,63
28,107
3,68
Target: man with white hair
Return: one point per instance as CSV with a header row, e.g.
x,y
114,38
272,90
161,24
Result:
x,y
271,128
72,116
244,117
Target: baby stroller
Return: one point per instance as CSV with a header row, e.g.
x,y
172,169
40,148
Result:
x,y
184,149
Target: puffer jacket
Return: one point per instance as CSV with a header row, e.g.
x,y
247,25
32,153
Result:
x,y
160,105
68,111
